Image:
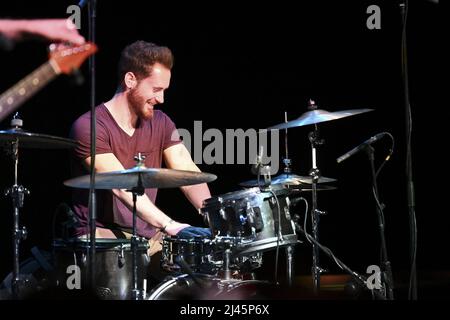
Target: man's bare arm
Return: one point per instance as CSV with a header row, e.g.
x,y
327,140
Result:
x,y
145,208
178,157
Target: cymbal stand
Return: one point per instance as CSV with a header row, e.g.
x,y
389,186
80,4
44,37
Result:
x,y
286,161
139,190
289,249
315,213
17,193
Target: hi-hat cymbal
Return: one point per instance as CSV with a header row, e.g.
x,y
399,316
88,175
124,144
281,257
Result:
x,y
150,178
35,140
317,116
289,179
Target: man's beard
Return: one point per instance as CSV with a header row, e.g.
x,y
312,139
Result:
x,y
137,104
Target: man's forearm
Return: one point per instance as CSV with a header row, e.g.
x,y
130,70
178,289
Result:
x,y
196,194
146,209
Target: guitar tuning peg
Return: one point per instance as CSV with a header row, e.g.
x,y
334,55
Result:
x,y
52,47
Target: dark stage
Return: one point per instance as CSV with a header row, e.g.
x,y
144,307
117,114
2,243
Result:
x,y
242,66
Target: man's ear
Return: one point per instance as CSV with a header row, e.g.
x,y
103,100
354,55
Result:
x,y
130,80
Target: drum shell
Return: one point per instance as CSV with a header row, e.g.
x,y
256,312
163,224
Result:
x,y
113,265
252,216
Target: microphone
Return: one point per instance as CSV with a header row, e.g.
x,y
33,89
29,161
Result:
x,y
361,146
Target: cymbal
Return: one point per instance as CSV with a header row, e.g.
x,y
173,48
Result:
x,y
307,188
150,178
317,116
35,140
288,179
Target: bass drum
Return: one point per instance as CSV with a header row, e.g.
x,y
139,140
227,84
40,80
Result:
x,y
207,287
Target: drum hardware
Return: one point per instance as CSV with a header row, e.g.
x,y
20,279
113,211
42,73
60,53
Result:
x,y
288,178
315,116
16,138
184,266
138,190
361,280
136,180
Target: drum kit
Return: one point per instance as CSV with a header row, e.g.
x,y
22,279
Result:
x,y
244,224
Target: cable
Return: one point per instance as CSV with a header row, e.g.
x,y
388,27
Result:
x,y
388,157
340,264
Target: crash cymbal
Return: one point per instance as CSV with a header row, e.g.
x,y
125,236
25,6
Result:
x,y
35,140
288,179
150,178
317,116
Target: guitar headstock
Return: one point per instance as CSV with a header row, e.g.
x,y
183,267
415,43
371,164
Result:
x,y
68,58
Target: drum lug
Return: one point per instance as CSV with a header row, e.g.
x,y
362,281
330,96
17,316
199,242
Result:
x,y
250,214
121,260
223,214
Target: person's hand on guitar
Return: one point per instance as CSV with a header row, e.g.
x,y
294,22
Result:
x,y
56,30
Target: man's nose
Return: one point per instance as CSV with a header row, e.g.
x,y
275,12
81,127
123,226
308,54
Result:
x,y
160,97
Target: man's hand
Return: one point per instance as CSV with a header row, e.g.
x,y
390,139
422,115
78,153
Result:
x,y
173,228
192,232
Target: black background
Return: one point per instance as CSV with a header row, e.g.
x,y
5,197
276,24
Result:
x,y
242,66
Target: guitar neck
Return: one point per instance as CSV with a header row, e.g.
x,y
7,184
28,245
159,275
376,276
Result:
x,y
27,87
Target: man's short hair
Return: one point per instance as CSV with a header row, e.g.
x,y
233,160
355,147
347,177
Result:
x,y
139,58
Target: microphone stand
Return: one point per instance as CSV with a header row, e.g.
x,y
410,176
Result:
x,y
387,271
92,9
359,278
409,174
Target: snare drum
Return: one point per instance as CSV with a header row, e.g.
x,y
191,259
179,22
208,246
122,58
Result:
x,y
196,252
113,265
253,217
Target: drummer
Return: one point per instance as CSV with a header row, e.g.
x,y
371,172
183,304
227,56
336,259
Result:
x,y
129,124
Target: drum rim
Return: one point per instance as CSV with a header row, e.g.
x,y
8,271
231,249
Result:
x,y
279,190
100,243
175,239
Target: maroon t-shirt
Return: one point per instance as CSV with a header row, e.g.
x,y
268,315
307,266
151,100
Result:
x,y
150,138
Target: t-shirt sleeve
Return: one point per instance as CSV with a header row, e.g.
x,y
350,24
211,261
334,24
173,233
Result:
x,y
81,132
171,136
